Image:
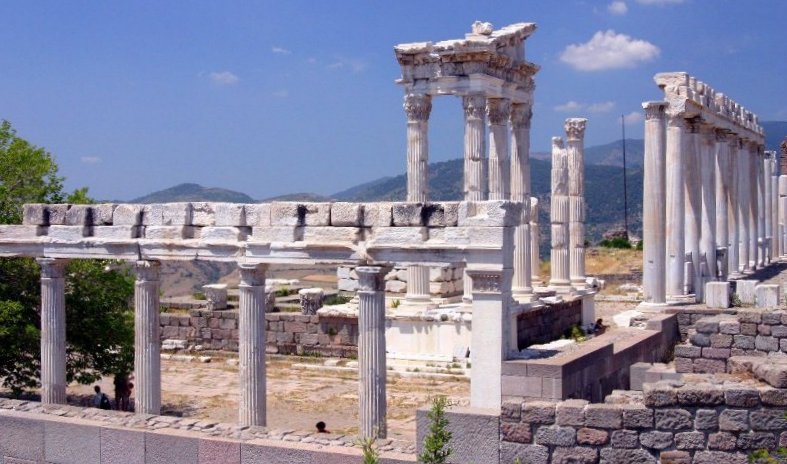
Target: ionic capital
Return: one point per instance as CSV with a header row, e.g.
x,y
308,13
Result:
x,y
417,107
498,110
147,271
521,114
474,106
252,275
654,109
575,129
371,278
52,268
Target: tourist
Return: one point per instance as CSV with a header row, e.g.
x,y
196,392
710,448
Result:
x,y
122,392
599,328
100,400
321,427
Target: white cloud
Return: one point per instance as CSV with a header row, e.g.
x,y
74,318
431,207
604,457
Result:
x,y
223,78
354,65
633,118
90,159
618,8
280,50
283,93
574,107
609,50
660,2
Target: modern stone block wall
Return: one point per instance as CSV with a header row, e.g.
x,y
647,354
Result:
x,y
547,323
443,281
714,339
286,333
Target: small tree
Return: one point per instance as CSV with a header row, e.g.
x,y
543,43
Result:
x,y
436,449
370,453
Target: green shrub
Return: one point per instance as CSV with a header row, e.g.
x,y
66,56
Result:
x,y
436,449
336,300
616,243
370,453
198,296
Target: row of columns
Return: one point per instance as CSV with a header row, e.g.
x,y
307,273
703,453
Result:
x,y
499,171
708,208
251,344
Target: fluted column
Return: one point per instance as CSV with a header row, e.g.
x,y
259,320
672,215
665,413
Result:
x,y
53,330
693,205
251,345
744,192
498,110
773,209
761,230
676,220
781,171
708,231
768,192
476,186
754,232
535,242
522,286
147,343
560,279
654,205
371,351
575,154
417,107
722,166
733,201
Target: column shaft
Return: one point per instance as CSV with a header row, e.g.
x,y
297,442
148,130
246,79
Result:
x,y
147,343
475,182
654,205
722,167
754,232
251,345
498,110
520,192
708,231
744,225
535,242
575,134
773,210
560,264
693,206
733,247
676,220
371,351
762,241
53,331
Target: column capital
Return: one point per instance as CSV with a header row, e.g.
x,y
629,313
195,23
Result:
x,y
417,107
521,114
474,106
498,110
654,109
487,281
252,275
147,271
575,129
52,268
371,278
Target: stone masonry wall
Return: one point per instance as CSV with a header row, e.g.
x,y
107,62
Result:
x,y
548,322
286,333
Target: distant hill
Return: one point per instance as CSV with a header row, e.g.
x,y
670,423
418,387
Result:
x,y
303,196
775,132
610,154
194,192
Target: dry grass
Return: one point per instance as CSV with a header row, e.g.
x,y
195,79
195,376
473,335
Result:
x,y
600,261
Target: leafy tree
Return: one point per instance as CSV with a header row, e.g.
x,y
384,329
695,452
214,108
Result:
x,y
99,329
436,449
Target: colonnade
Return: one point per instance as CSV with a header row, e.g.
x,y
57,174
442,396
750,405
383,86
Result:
x,y
708,202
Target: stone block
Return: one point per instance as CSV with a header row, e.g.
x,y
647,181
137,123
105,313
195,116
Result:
x,y
720,341
57,214
217,451
79,215
526,454
723,441
768,419
399,236
741,396
656,440
258,214
699,339
684,365
224,234
14,231
300,214
773,396
675,457
122,446
346,214
690,441
476,433
116,232
700,394
734,420
745,291
574,455
717,294
327,235
748,328
627,456
673,420
688,351
773,317
765,343
718,457
102,214
767,296
511,411
779,331
756,440
637,417
625,439
538,412
570,412
709,366
729,327
659,394
595,437
743,342
168,232
605,416
171,447
395,286
21,438
378,214
229,215
750,316
277,234
127,215
555,435
515,432
203,214
35,214
71,443
407,214
68,233
493,213
715,353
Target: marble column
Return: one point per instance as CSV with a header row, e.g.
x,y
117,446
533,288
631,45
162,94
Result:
x,y
782,189
498,110
251,345
654,205
535,242
147,343
522,286
722,166
733,201
371,351
754,229
768,201
476,185
575,153
744,224
53,330
708,230
417,107
773,167
560,279
676,220
693,205
762,240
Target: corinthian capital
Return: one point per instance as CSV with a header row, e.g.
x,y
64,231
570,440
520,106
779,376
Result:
x,y
498,110
474,106
417,106
575,128
521,114
654,109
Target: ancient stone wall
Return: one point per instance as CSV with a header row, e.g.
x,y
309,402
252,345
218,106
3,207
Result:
x,y
547,323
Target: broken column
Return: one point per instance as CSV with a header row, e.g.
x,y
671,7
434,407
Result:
x,y
654,205
417,107
216,296
147,343
371,351
53,331
676,230
522,286
251,345
560,278
311,300
575,135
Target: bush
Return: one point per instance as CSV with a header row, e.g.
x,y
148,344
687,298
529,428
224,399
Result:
x,y
370,453
336,300
616,243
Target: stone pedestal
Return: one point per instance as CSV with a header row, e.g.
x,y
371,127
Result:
x,y
745,289
654,207
676,230
371,351
766,296
560,279
575,135
311,300
216,295
147,342
53,331
717,295
251,345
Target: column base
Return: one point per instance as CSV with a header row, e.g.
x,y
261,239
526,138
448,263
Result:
x,y
523,294
562,289
734,276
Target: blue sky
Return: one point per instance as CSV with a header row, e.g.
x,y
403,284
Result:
x,y
298,96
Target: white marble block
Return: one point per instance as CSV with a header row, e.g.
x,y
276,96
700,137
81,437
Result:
x,y
745,291
767,296
216,294
717,294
